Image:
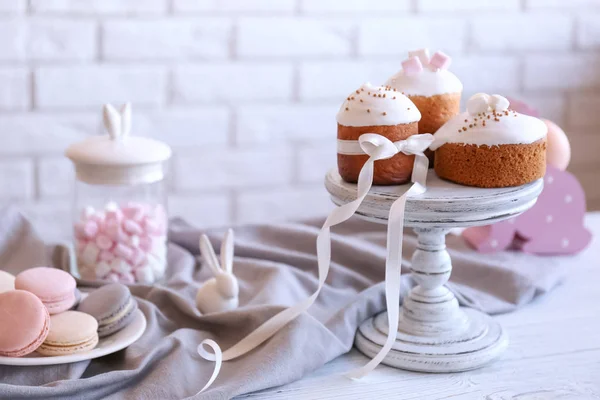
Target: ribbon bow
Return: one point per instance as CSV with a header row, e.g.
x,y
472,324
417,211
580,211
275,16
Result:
x,y
378,148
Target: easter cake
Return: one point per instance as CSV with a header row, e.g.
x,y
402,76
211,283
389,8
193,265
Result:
x,y
490,145
431,86
381,110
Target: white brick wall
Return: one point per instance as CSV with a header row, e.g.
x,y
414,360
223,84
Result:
x,y
393,36
353,6
522,32
287,37
16,178
74,87
225,82
160,39
14,89
99,7
12,6
246,91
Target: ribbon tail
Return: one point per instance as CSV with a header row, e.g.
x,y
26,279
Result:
x,y
393,272
218,358
393,264
278,321
419,173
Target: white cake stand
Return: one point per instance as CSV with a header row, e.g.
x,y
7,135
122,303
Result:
x,y
435,334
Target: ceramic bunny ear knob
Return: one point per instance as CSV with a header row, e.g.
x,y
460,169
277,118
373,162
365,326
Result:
x,y
221,292
117,123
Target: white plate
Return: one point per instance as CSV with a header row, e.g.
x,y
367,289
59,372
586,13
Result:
x,y
108,345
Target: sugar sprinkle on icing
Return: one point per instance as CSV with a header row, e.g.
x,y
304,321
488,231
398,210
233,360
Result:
x,y
377,106
499,125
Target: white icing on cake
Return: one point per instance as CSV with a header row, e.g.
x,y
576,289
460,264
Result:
x,y
491,128
427,83
377,106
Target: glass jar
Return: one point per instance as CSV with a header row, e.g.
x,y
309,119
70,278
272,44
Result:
x,y
120,204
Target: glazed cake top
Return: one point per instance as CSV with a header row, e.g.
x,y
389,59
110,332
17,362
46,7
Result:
x,y
424,76
427,83
489,121
377,106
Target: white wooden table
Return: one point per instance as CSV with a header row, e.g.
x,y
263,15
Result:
x,y
554,353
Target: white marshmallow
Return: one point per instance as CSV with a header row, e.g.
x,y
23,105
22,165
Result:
x,y
158,265
120,266
144,275
499,103
102,269
111,206
87,212
134,241
421,54
90,253
159,246
478,103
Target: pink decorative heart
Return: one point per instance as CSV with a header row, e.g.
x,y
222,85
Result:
x,y
554,225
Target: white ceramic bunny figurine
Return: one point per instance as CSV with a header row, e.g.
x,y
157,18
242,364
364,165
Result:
x,y
221,292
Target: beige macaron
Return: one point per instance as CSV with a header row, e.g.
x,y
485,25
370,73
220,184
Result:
x,y
71,332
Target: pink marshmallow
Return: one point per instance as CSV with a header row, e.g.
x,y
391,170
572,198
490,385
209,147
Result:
x,y
134,211
151,227
106,255
421,54
114,231
132,227
103,242
79,229
80,244
137,257
90,229
86,230
127,278
440,60
98,218
145,243
123,251
412,66
114,215
113,277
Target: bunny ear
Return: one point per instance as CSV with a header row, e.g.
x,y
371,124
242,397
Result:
x,y
112,121
125,120
208,254
227,252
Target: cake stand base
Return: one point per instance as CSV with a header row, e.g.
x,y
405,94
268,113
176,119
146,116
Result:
x,y
482,341
435,334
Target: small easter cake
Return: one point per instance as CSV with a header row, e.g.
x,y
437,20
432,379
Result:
x,y
491,145
381,110
428,83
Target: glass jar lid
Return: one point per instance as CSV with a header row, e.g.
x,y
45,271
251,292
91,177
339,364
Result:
x,y
117,158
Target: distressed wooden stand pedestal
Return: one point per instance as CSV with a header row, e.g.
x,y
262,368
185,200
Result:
x,y
435,334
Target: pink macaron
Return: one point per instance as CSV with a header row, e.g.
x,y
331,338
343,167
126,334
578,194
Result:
x,y
55,288
24,323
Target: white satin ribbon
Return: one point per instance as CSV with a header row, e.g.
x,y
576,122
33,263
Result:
x,y
377,147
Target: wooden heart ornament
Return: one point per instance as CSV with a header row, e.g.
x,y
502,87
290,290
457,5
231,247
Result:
x,y
554,225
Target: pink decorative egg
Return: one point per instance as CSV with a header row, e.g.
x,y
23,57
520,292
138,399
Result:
x,y
558,153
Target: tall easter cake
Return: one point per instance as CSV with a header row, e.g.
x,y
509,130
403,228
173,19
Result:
x,y
428,83
490,145
381,110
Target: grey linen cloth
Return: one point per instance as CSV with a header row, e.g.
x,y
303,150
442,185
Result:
x,y
276,266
